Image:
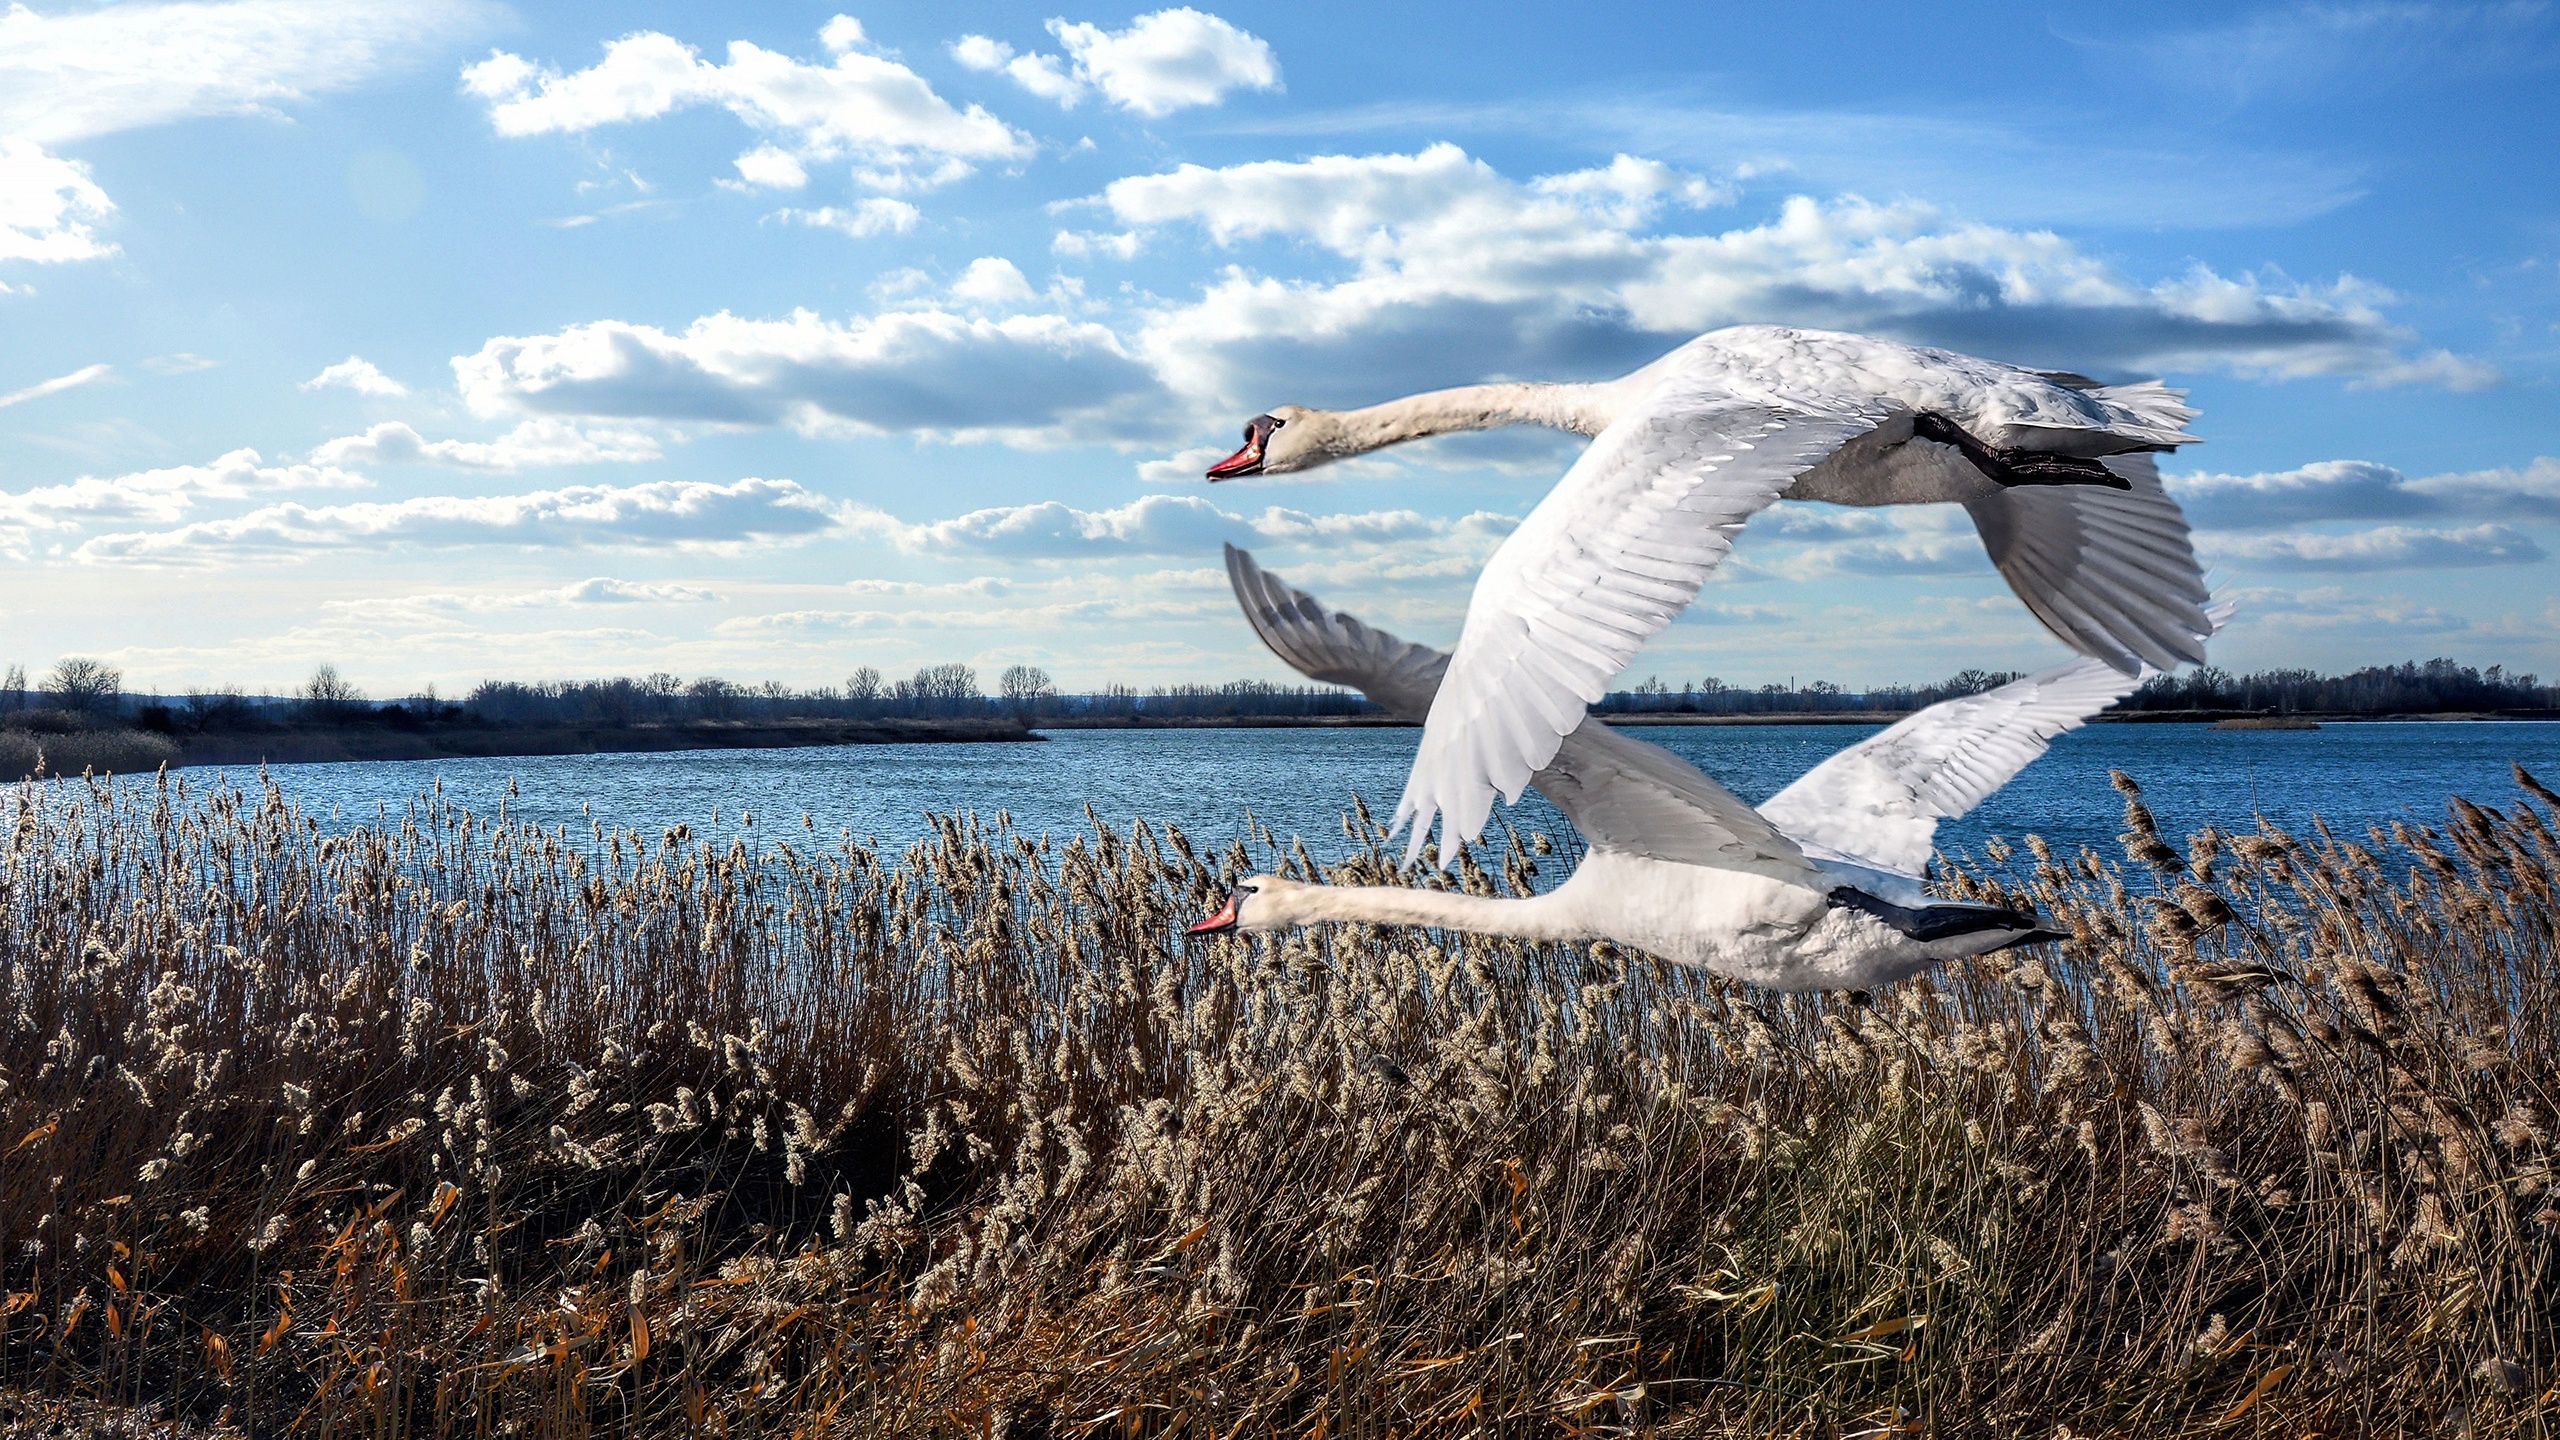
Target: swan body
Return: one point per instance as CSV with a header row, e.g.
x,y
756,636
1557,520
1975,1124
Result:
x,y
1818,888
2055,470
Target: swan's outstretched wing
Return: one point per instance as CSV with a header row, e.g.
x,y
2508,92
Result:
x,y
1621,793
1636,798
1878,803
1333,647
2110,572
1607,559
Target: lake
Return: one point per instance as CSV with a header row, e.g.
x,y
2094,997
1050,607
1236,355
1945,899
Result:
x,y
1298,781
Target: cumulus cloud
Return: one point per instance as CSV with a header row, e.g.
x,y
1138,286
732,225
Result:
x,y
1897,541
2387,547
1444,270
55,386
1008,605
49,207
2364,490
676,514
1578,274
2388,619
532,443
102,69
358,374
1043,75
923,370
153,496
1164,61
860,105
876,215
992,280
1164,525
436,607
770,167
1081,244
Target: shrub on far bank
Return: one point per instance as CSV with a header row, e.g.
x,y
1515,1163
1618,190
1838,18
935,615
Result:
x,y
24,753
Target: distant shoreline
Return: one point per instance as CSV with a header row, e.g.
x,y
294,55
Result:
x,y
1775,717
130,751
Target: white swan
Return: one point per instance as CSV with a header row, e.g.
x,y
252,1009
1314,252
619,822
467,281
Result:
x,y
2055,469
1819,888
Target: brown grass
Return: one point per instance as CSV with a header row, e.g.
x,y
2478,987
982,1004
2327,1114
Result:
x,y
73,750
458,1126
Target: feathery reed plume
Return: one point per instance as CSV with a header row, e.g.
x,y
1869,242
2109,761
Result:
x,y
453,1124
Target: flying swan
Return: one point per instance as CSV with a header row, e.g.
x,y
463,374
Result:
x,y
2056,470
1819,888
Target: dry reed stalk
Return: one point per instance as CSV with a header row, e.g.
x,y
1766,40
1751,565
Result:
x,y
452,1124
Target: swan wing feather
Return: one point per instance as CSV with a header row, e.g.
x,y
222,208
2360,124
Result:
x,y
1878,803
1616,551
2112,573
1621,793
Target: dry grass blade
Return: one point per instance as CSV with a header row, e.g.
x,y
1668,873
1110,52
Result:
x,y
453,1125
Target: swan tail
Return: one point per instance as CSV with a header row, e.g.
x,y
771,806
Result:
x,y
1949,919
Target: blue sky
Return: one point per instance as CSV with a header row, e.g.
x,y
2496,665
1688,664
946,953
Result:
x,y
450,340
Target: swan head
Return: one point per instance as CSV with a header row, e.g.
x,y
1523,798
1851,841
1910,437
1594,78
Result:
x,y
1283,439
1257,903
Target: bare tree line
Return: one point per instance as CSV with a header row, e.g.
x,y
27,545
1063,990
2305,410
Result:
x,y
84,692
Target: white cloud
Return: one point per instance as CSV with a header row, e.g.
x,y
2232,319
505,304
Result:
x,y
1165,61
1629,191
435,608
2387,620
1122,245
1901,541
921,370
604,591
1010,606
1165,525
1169,60
862,105
157,496
678,514
1043,75
2388,547
2435,367
534,442
992,280
1568,273
2364,490
48,205
875,215
771,168
102,69
358,374
56,385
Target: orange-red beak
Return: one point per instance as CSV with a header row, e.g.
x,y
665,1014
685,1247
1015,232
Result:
x,y
1219,923
1247,461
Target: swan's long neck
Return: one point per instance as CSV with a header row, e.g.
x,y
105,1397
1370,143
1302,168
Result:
x,y
1580,408
1538,917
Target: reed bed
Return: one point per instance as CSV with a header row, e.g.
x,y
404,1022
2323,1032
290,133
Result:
x,y
454,1125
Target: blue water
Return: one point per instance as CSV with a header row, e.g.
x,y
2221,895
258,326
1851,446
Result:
x,y
1299,781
